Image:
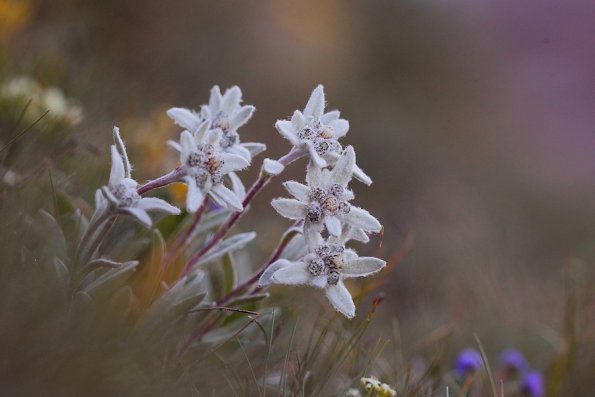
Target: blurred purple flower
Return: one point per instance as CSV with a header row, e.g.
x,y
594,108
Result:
x,y
513,360
468,361
532,385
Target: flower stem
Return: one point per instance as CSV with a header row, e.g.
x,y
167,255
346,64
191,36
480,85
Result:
x,y
184,238
164,180
285,239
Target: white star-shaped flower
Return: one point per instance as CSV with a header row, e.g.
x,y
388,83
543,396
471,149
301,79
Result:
x,y
121,190
325,201
325,267
225,114
318,133
206,166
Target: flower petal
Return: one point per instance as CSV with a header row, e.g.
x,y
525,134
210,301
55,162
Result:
x,y
117,173
297,190
272,167
361,176
315,105
194,197
355,233
339,128
341,299
360,218
241,117
139,214
313,176
267,276
298,120
237,186
289,208
232,162
188,145
343,170
295,274
231,99
287,130
122,149
226,198
333,225
240,151
254,147
331,116
362,267
156,204
215,99
175,145
201,131
185,118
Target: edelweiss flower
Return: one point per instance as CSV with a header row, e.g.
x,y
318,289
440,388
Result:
x,y
318,133
206,165
121,189
325,201
225,114
325,267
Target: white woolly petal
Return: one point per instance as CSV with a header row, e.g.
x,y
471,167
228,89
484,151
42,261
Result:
x,y
188,145
331,116
122,150
267,276
272,167
350,255
362,267
139,214
226,198
339,128
237,186
156,204
194,197
212,137
361,176
315,105
343,169
232,162
254,148
241,117
313,175
295,274
101,202
289,208
175,145
287,130
360,218
231,99
215,99
109,196
341,299
185,118
205,111
355,233
240,151
315,157
117,173
297,190
201,131
312,234
298,121
333,225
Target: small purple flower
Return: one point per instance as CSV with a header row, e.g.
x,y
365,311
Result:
x,y
513,362
532,385
468,361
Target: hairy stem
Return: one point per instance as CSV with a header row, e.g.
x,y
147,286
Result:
x,y
164,180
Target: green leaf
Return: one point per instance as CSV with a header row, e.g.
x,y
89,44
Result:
x,y
228,245
60,273
111,280
229,273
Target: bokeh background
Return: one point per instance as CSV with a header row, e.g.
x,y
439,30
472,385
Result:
x,y
475,120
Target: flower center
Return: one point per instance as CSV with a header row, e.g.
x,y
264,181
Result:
x,y
126,197
321,136
328,262
221,120
327,202
205,166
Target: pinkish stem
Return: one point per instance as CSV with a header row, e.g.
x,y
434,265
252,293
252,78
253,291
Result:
x,y
164,180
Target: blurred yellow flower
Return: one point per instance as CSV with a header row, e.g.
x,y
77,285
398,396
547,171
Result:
x,y
14,14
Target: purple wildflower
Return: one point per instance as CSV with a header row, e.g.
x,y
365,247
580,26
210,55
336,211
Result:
x,y
532,385
513,362
468,361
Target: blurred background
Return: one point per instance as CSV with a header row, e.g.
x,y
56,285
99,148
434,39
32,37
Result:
x,y
474,119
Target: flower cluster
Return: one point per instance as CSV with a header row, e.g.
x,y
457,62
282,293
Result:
x,y
323,205
211,151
